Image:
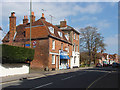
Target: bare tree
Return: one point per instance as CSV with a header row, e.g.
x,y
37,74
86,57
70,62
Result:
x,y
91,41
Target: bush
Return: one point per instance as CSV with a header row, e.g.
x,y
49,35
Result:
x,y
14,54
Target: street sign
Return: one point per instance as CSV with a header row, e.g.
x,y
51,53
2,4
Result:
x,y
34,43
27,45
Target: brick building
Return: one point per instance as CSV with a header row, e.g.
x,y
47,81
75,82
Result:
x,y
73,36
53,47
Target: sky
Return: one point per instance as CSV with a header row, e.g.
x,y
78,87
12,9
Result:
x,y
103,15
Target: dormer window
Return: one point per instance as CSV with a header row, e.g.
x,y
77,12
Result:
x,y
51,29
66,36
60,33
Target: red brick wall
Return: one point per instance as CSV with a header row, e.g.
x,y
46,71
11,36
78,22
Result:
x,y
41,54
57,48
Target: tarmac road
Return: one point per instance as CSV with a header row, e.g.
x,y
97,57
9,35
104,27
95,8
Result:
x,y
84,79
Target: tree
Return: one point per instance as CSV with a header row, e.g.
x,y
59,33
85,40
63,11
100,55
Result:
x,y
91,41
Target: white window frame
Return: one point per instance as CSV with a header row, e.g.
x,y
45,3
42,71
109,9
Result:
x,y
53,44
53,59
61,46
51,29
60,33
74,35
66,36
74,47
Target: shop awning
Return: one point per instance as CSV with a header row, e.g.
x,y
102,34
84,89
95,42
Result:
x,y
64,57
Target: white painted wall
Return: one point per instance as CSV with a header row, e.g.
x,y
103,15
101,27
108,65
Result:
x,y
13,69
77,62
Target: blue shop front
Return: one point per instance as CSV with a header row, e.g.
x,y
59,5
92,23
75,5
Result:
x,y
63,61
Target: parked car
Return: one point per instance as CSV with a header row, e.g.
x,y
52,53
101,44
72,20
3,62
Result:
x,y
115,65
105,65
98,65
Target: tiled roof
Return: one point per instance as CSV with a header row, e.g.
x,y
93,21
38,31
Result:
x,y
40,27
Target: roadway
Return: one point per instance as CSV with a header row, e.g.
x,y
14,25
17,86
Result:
x,y
84,79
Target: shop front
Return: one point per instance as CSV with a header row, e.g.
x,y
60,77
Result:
x,y
64,63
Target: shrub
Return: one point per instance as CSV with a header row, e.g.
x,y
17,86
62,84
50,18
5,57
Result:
x,y
14,54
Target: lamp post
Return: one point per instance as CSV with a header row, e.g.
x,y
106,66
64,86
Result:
x,y
30,20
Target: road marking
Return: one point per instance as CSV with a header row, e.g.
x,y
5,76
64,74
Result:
x,y
42,86
96,80
9,82
67,78
73,76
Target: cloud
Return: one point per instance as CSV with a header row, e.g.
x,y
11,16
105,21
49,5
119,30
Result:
x,y
103,24
59,10
85,18
113,4
91,8
112,43
61,0
112,40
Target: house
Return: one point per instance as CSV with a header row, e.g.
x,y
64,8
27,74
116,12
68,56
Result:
x,y
108,58
53,48
73,36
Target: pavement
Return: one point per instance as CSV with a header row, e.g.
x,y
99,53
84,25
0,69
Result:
x,y
38,74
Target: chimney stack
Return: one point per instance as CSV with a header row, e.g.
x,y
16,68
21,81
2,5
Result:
x,y
32,17
63,23
43,16
25,20
12,26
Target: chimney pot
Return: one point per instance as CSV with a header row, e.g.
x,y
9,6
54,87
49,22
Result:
x,y
12,13
32,13
26,17
42,14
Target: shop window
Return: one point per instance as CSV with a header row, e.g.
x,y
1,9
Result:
x,y
53,59
53,44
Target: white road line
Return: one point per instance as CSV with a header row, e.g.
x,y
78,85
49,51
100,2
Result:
x,y
42,86
96,80
72,76
67,78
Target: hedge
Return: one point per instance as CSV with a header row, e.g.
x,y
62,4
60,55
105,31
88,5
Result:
x,y
14,54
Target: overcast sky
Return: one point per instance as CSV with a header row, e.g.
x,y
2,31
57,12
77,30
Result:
x,y
103,15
